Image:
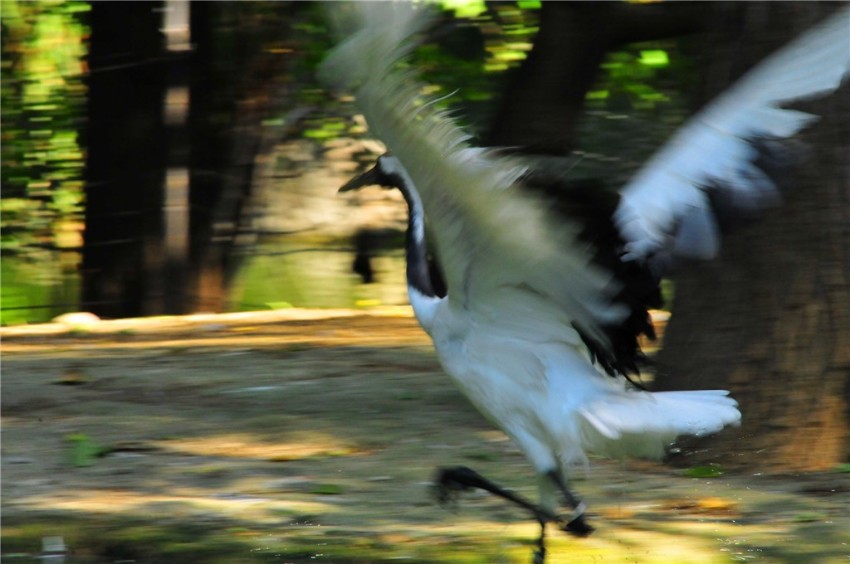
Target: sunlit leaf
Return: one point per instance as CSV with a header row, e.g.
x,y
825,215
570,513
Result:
x,y
529,4
654,58
464,8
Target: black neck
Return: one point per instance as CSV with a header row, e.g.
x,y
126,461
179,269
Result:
x,y
420,275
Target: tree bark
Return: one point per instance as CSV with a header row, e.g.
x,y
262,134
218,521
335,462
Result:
x,y
167,186
545,98
236,83
770,320
125,163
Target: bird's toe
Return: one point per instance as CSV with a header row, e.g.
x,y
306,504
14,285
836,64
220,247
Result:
x,y
578,527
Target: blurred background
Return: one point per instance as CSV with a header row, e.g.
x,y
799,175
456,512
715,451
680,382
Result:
x,y
162,158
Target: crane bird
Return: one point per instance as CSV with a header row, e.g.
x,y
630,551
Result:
x,y
539,321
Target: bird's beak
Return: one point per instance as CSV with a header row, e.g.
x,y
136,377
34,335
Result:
x,y
368,178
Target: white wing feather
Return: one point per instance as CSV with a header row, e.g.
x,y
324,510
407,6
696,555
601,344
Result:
x,y
489,238
666,194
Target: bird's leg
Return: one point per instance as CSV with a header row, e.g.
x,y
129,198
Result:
x,y
451,481
540,553
574,523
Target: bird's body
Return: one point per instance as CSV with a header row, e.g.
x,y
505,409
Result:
x,y
546,395
529,370
539,324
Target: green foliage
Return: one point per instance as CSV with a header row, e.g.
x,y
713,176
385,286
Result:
x,y
630,74
37,279
464,8
43,102
43,99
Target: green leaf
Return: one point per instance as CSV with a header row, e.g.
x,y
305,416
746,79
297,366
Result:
x,y
465,8
654,58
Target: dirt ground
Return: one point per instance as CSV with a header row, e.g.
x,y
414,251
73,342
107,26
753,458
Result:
x,y
302,436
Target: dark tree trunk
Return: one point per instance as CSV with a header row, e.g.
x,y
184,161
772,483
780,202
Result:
x,y
169,174
770,320
125,166
545,97
237,81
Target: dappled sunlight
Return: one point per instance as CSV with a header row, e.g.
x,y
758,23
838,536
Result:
x,y
186,504
266,329
240,445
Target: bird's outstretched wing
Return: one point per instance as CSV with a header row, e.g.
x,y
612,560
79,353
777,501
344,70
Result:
x,y
721,159
505,258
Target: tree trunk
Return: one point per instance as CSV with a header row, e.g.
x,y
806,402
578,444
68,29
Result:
x,y
238,79
172,141
545,97
125,164
770,320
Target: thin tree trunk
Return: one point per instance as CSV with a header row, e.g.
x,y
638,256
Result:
x,y
125,165
236,84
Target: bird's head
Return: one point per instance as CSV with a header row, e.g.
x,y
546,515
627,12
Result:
x,y
386,173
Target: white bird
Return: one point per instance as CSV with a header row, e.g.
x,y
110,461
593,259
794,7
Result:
x,y
538,326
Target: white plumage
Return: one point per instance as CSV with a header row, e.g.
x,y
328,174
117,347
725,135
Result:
x,y
524,296
712,146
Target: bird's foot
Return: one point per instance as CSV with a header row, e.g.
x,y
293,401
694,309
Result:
x,y
450,482
575,524
539,556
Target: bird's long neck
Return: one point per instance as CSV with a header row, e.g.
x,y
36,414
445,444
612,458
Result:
x,y
418,269
424,297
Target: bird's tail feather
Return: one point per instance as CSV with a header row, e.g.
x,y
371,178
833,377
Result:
x,y
644,424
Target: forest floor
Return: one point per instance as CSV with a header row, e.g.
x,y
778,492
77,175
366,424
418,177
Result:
x,y
312,436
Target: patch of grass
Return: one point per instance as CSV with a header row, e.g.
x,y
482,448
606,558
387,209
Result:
x,y
83,450
707,471
102,540
483,456
327,489
808,517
